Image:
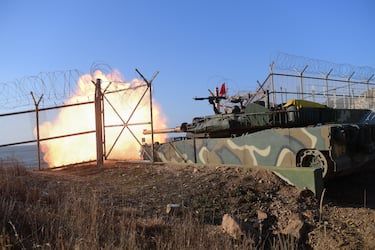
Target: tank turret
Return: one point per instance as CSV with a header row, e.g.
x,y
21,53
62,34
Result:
x,y
236,115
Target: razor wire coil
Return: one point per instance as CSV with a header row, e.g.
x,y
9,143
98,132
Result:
x,y
293,63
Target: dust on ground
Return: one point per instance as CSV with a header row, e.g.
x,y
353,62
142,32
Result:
x,y
345,220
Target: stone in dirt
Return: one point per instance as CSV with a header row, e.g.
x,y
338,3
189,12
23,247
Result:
x,y
232,227
295,227
173,209
261,215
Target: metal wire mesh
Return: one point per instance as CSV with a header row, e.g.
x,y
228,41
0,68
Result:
x,y
335,85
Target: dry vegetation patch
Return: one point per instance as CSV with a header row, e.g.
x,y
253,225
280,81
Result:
x,y
123,206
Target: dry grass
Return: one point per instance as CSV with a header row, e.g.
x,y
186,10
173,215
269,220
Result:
x,y
33,216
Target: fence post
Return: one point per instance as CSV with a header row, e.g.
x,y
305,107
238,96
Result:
x,y
350,98
369,105
36,103
326,79
301,81
99,123
149,85
272,86
152,123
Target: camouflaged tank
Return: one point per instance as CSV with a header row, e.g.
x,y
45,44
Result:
x,y
301,141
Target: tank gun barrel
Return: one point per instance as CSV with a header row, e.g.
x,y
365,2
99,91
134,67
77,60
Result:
x,y
164,131
211,99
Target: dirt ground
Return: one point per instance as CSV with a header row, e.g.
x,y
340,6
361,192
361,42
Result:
x,y
346,219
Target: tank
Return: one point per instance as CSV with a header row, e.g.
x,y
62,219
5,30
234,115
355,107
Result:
x,y
304,142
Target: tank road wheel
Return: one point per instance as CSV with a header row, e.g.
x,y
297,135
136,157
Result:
x,y
312,158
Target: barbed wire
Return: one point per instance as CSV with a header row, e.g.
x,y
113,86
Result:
x,y
58,86
54,86
293,63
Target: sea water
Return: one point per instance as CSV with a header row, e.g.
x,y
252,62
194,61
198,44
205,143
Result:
x,y
27,155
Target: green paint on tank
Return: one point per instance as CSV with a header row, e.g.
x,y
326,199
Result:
x,y
271,147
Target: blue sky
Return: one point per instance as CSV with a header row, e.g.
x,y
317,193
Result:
x,y
194,44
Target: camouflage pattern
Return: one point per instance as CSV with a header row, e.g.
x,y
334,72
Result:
x,y
276,147
302,156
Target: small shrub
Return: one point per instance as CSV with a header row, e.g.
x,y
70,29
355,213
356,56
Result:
x,y
5,242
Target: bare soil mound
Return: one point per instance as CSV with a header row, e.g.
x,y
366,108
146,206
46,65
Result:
x,y
265,206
